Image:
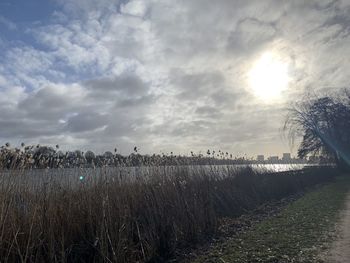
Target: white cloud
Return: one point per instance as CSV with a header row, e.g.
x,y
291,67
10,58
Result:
x,y
10,96
164,73
89,8
134,8
29,60
3,81
6,22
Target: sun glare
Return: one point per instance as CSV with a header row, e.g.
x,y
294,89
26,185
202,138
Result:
x,y
269,77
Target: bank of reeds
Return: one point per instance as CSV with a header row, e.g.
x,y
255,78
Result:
x,y
110,219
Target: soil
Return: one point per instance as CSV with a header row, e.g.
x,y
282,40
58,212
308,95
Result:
x,y
340,249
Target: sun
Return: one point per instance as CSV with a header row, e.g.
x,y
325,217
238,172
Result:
x,y
268,77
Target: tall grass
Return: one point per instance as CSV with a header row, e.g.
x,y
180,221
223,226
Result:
x,y
113,219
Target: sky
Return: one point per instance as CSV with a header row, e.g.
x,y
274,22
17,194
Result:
x,y
165,75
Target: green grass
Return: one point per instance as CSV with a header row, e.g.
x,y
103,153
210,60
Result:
x,y
297,234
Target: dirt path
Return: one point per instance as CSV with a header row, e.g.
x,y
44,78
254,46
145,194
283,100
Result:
x,y
340,249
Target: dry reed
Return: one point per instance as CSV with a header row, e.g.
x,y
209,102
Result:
x,y
111,218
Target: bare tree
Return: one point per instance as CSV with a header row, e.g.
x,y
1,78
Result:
x,y
324,124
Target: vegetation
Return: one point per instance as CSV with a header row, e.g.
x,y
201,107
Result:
x,y
295,235
115,219
29,157
324,125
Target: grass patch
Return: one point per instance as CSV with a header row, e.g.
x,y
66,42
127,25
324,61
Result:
x,y
295,235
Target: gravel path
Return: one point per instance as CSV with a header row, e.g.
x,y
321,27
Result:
x,y
340,249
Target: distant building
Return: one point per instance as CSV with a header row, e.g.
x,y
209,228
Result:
x,y
260,158
273,159
286,157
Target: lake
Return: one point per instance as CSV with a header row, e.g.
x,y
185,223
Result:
x,y
75,177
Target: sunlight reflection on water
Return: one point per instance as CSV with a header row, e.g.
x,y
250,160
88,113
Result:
x,y
75,177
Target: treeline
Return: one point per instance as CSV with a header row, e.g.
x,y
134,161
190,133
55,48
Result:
x,y
29,157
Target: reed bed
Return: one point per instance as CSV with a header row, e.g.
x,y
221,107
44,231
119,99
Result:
x,y
110,218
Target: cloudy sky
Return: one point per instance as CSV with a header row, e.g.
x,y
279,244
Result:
x,y
165,75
